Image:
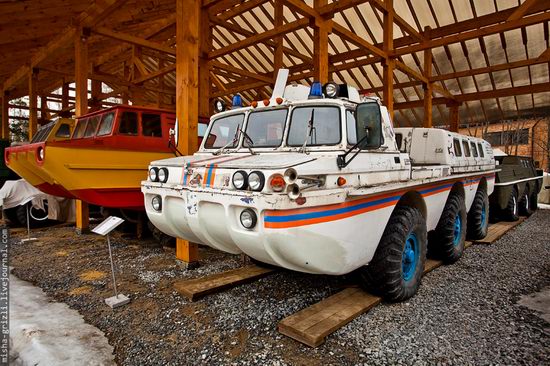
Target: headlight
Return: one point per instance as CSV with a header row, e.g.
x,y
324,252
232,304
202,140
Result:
x,y
156,202
332,90
240,179
154,174
256,181
248,218
163,175
40,153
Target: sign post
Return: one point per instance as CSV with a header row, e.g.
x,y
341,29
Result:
x,y
103,229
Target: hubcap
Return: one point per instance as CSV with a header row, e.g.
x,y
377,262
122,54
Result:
x,y
515,205
409,258
458,230
526,202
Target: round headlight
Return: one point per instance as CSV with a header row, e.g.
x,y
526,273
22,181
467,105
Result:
x,y
219,105
163,175
240,179
332,90
156,203
248,218
256,181
40,153
154,174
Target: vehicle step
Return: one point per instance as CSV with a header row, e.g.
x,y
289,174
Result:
x,y
199,287
496,231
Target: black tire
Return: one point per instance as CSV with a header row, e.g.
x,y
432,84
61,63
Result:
x,y
478,217
38,217
510,213
524,205
398,263
448,238
534,201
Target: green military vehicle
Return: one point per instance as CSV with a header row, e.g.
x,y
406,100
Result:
x,y
517,186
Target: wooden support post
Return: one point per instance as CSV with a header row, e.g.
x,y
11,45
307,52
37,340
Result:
x,y
6,116
320,46
96,91
81,107
188,52
278,53
453,116
204,66
126,70
33,102
388,64
428,87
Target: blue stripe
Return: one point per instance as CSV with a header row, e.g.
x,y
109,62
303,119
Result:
x,y
338,211
428,190
185,173
208,176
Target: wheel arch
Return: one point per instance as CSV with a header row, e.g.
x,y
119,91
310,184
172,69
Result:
x,y
482,184
458,188
414,199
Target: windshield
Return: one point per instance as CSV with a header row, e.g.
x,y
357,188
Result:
x,y
223,132
326,129
265,128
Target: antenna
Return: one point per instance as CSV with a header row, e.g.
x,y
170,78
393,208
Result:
x,y
280,84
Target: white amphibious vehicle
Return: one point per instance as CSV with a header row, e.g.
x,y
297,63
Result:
x,y
318,181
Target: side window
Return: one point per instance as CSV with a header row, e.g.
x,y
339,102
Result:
x,y
128,124
480,148
350,127
79,129
64,131
399,141
369,125
458,150
92,126
473,148
106,125
151,125
466,147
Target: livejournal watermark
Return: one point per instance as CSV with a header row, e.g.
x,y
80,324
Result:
x,y
4,297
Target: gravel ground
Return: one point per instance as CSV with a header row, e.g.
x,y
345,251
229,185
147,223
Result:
x,y
466,313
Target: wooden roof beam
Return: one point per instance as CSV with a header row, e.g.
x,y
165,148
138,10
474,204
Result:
x,y
105,32
236,70
476,33
522,9
155,74
93,14
259,38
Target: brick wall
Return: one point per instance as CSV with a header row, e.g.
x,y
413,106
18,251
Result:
x,y
537,146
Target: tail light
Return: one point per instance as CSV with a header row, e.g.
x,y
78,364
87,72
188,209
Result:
x,y
277,183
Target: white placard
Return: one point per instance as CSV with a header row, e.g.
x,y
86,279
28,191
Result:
x,y
107,225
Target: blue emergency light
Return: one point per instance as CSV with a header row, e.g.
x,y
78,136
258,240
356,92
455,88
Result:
x,y
237,101
316,90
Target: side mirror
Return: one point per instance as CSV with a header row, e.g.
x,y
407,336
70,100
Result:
x,y
368,125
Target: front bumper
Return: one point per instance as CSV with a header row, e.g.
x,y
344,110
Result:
x,y
211,217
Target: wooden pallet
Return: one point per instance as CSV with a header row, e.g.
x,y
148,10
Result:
x,y
199,287
497,230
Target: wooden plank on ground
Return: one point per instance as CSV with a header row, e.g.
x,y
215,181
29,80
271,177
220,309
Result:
x,y
497,230
311,325
199,287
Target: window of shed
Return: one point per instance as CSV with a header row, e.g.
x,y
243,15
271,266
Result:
x,y
466,147
128,124
151,125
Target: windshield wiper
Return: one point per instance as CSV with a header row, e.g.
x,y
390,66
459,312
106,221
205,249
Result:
x,y
232,142
310,130
248,139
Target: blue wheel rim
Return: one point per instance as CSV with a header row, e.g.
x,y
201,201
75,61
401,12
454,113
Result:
x,y
409,258
458,230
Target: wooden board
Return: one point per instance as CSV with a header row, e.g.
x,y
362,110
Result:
x,y
313,324
496,231
199,287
